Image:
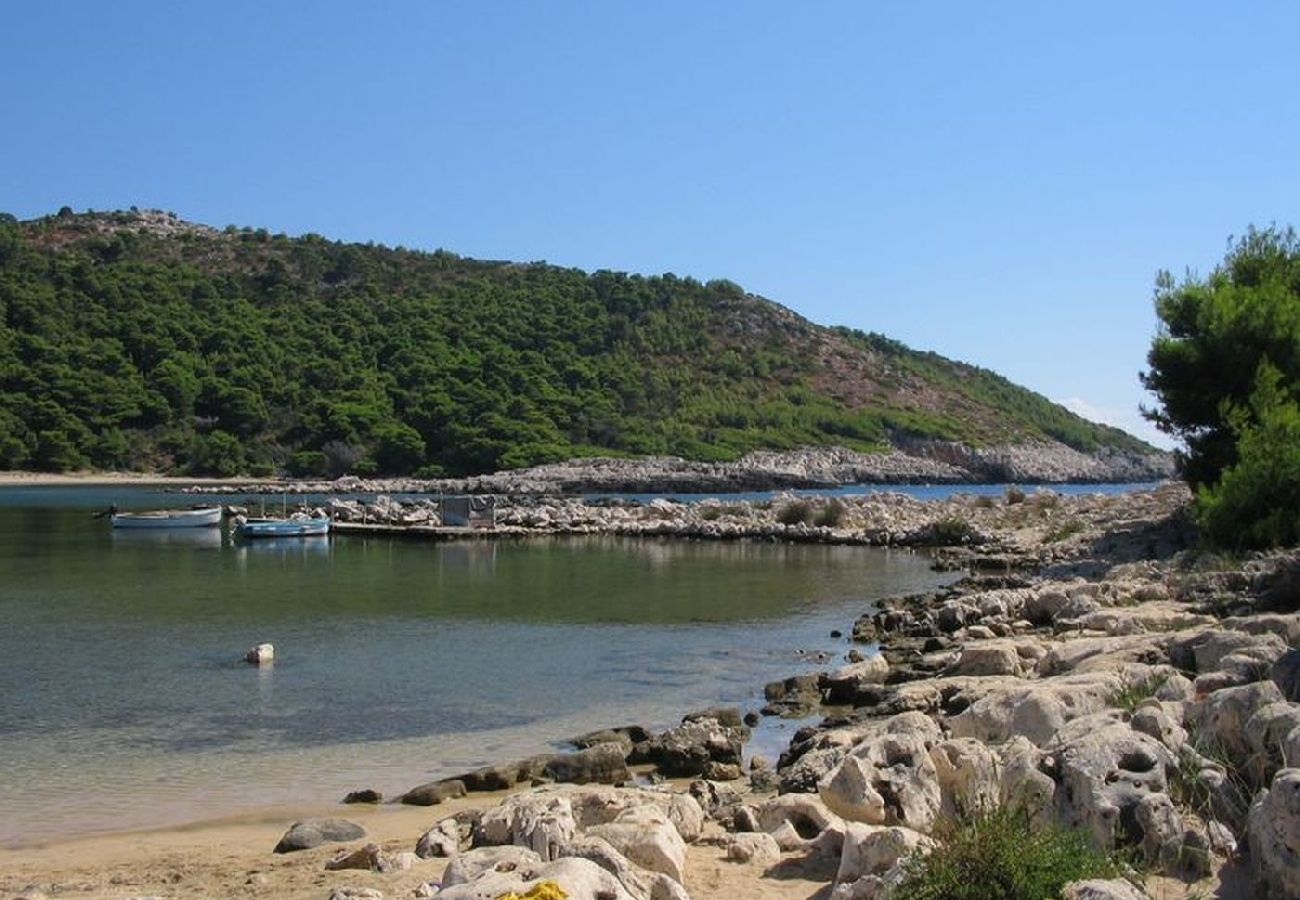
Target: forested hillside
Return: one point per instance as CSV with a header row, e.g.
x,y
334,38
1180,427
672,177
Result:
x,y
135,340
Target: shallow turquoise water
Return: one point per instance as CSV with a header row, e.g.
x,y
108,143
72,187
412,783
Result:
x,y
123,701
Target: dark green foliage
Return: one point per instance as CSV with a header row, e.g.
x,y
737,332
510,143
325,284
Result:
x,y
798,512
1256,503
1001,855
1214,335
949,532
1226,369
134,339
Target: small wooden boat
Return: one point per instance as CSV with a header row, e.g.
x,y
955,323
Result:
x,y
297,525
206,517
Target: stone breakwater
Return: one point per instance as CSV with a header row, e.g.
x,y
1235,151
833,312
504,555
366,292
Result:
x,y
1130,687
1011,530
920,463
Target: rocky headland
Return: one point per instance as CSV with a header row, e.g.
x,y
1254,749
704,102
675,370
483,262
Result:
x,y
1093,669
917,462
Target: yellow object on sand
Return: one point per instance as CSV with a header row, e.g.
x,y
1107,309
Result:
x,y
543,890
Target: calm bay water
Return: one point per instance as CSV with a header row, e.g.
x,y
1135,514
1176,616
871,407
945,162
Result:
x,y
123,701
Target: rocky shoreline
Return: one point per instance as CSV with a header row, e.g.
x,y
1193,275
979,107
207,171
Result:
x,y
919,462
1093,669
1112,679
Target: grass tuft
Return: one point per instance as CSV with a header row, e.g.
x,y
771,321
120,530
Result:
x,y
1001,855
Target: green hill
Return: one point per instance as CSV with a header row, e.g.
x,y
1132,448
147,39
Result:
x,y
135,340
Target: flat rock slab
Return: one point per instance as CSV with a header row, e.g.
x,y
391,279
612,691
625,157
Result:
x,y
314,832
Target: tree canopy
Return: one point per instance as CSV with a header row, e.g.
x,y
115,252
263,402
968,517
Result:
x,y
1215,334
1225,366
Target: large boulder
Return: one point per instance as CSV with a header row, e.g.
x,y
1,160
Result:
x,y
969,775
540,821
875,849
1220,718
988,658
578,878
1022,784
758,848
646,837
1036,710
1105,769
805,813
604,763
602,805
311,833
689,748
468,866
886,780
845,684
1273,828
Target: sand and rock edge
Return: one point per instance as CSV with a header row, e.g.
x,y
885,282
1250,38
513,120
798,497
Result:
x,y
1096,670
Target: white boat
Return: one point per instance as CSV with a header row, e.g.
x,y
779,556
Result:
x,y
206,517
296,526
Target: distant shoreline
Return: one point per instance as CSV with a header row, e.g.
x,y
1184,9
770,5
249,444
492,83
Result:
x,y
55,479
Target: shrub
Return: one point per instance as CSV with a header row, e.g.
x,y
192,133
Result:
x,y
1001,855
1067,529
800,511
1131,695
950,531
1015,495
831,515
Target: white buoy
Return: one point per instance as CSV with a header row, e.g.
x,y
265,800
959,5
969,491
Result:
x,y
261,655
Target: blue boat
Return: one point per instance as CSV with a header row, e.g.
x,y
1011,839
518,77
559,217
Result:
x,y
297,525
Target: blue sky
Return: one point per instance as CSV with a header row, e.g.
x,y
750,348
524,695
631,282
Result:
x,y
998,182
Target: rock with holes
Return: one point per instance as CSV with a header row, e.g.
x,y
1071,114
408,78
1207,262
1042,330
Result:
x,y
540,821
886,780
806,813
1154,720
1273,832
1022,783
874,850
1220,718
1105,769
968,773
444,839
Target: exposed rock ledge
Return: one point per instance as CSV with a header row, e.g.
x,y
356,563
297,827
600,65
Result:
x,y
812,467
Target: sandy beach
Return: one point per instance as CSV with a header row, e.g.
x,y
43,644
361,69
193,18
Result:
x,y
233,857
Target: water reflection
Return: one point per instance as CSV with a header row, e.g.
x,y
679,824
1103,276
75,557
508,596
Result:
x,y
199,538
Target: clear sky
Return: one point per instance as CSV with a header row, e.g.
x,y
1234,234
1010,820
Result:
x,y
995,181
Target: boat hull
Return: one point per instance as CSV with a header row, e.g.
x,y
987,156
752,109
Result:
x,y
169,518
282,528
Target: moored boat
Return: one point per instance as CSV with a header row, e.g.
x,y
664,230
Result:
x,y
205,517
297,525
